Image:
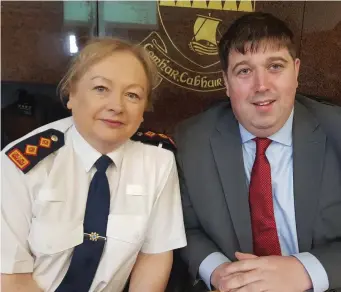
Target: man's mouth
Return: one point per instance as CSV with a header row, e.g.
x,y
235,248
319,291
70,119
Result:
x,y
264,103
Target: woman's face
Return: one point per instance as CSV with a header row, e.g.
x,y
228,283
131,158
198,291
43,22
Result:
x,y
109,100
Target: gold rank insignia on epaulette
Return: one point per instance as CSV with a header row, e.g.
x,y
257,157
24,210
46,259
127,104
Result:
x,y
27,153
156,139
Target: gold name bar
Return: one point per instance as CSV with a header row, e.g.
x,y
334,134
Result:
x,y
228,5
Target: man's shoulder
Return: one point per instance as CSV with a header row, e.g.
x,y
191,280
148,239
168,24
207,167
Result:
x,y
205,121
328,117
320,108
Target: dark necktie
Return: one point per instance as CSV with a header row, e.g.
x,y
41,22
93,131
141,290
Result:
x,y
264,231
87,255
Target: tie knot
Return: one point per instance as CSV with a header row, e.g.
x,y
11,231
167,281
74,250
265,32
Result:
x,y
261,145
103,163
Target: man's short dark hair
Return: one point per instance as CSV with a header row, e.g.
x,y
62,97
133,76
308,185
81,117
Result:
x,y
247,32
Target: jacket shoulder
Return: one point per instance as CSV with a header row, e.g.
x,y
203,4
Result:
x,y
320,108
204,122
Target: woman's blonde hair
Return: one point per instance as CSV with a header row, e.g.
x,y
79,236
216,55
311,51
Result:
x,y
96,50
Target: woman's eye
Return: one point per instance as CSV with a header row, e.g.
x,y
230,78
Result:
x,y
132,95
100,88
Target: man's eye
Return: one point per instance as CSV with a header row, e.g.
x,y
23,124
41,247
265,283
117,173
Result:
x,y
244,71
276,66
100,88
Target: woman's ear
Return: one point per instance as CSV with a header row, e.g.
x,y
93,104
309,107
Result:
x,y
69,103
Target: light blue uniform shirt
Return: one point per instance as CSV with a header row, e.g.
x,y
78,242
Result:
x,y
279,155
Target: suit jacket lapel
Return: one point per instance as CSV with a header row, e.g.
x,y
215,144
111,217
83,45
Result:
x,y
228,156
308,157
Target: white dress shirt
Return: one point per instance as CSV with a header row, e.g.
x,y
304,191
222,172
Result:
x,y
43,210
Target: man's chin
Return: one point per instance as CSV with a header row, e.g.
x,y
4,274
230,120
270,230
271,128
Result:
x,y
265,129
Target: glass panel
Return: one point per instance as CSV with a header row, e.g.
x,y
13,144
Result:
x,y
37,47
130,12
77,11
126,19
38,40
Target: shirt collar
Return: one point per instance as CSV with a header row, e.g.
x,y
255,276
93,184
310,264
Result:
x,y
89,155
283,136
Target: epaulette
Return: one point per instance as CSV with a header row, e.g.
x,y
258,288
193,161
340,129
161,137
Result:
x,y
27,153
160,140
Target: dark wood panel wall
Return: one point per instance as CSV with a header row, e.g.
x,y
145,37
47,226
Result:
x,y
35,48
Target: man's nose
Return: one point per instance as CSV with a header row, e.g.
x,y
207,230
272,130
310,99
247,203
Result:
x,y
261,81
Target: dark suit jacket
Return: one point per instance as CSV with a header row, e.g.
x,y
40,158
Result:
x,y
215,191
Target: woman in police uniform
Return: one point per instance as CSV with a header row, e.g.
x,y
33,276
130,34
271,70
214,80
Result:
x,y
85,202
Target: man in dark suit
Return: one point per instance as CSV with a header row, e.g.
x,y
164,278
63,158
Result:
x,y
261,173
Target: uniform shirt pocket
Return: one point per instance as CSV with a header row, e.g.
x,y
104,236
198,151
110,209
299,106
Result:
x,y
54,237
49,203
126,228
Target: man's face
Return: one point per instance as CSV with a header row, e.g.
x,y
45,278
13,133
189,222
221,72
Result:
x,y
109,100
262,87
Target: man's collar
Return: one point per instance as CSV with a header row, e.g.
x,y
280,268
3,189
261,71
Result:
x,y
283,136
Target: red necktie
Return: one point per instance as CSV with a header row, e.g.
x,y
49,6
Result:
x,y
264,231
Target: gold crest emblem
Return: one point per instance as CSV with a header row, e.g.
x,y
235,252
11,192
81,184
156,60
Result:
x,y
188,56
202,23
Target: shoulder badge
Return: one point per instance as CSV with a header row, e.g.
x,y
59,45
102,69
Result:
x,y
155,139
27,153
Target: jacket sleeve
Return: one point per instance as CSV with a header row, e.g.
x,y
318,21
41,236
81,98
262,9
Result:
x,y
199,246
329,254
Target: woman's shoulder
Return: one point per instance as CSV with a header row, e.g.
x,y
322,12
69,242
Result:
x,y
32,148
59,125
157,143
152,148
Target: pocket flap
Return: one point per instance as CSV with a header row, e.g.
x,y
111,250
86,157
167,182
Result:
x,y
135,190
51,195
50,238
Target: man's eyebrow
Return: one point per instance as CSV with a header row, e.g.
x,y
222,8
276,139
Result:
x,y
272,59
240,63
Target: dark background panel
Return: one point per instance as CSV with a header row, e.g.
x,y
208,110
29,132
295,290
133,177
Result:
x,y
321,50
32,41
175,103
35,52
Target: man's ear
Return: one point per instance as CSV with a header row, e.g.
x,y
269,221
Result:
x,y
297,68
226,84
